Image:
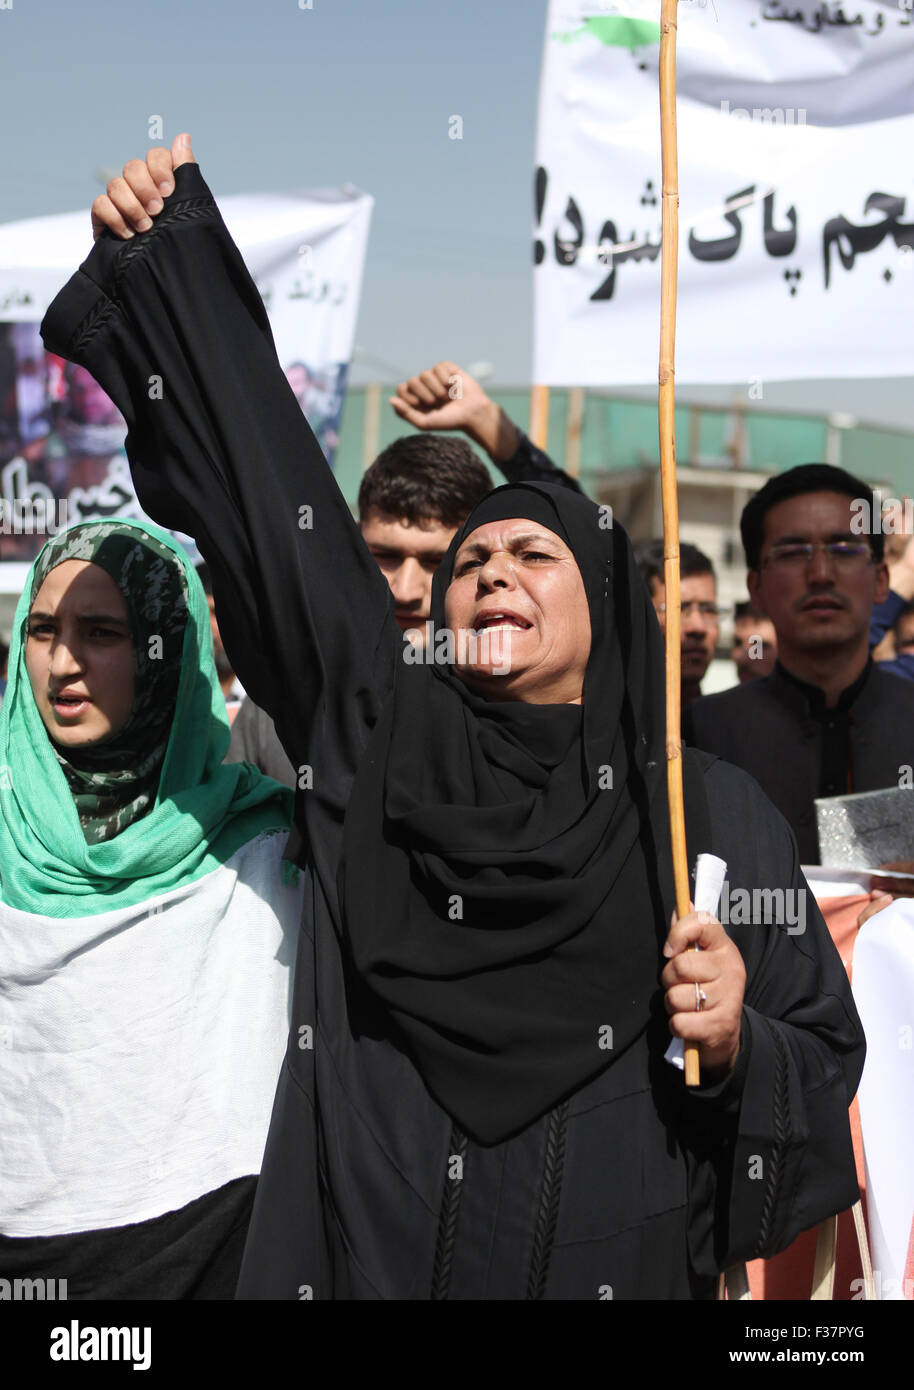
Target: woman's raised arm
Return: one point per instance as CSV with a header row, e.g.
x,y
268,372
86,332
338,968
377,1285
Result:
x,y
172,326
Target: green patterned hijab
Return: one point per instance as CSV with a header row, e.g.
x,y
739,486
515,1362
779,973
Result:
x,y
114,783
88,830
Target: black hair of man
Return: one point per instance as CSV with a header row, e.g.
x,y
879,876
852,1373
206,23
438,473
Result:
x,y
807,477
746,609
649,559
424,477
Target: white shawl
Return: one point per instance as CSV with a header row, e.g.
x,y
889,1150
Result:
x,y
140,1048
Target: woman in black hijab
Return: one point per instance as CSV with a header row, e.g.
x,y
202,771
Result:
x,y
510,808
475,1102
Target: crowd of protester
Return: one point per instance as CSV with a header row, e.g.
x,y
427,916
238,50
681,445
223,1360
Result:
x,y
477,869
809,630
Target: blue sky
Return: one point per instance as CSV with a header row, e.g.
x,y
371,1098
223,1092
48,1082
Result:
x,y
357,91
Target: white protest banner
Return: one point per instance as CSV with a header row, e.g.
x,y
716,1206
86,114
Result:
x,y
62,439
796,160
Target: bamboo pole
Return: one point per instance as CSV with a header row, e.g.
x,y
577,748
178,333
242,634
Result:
x,y
573,428
538,429
666,419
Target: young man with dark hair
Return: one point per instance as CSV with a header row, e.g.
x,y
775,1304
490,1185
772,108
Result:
x,y
698,602
421,487
754,647
411,501
421,476
827,721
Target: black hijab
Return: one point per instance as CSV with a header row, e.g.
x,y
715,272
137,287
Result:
x,y
503,884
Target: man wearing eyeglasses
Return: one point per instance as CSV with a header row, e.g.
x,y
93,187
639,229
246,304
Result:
x,y
826,721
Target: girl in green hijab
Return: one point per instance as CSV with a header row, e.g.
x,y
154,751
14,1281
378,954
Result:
x,y
146,931
151,804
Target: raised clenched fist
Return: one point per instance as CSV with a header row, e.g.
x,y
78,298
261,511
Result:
x,y
133,200
445,397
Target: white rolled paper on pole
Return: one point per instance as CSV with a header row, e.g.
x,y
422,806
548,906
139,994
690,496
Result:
x,y
710,873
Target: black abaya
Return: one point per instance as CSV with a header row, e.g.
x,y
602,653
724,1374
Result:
x,y
369,1189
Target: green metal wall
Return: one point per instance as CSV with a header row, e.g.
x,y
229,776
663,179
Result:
x,y
618,433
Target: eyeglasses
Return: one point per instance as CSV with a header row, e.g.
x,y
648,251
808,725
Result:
x,y
795,555
707,610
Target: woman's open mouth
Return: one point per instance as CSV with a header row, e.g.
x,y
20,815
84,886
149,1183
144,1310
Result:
x,y
501,620
70,706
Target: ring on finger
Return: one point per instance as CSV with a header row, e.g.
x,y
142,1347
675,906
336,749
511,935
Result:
x,y
700,998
